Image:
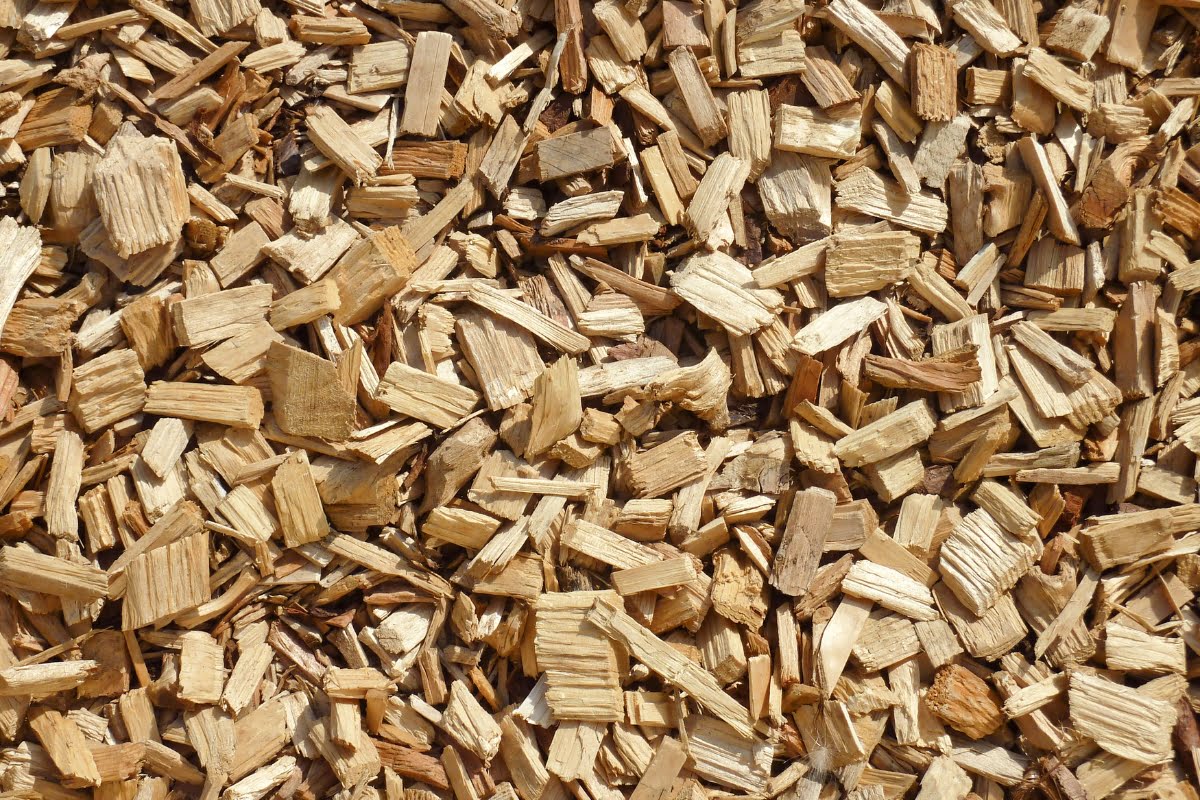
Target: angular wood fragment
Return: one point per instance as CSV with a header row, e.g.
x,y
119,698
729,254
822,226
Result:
x,y
838,324
944,778
724,290
467,721
62,487
1078,33
235,406
502,156
577,689
1059,80
827,84
673,667
723,180
799,552
980,560
862,26
667,466
371,272
887,436
1121,720
749,129
525,316
1061,221
796,195
220,315
141,192
669,759
575,153
721,755
984,23
890,589
378,66
66,747
426,397
22,568
934,82
838,639
556,406
107,389
832,134
650,577
165,581
1140,652
859,265
624,29
707,117
306,397
964,701
338,141
581,210
866,192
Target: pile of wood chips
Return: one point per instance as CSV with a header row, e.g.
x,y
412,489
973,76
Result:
x,y
544,401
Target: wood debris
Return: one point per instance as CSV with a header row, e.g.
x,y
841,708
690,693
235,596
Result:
x,y
492,400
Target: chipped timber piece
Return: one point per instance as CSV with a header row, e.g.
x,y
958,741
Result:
x,y
817,133
235,406
220,315
709,121
21,568
986,25
838,324
861,264
426,76
964,701
575,153
799,552
426,397
891,589
719,754
1061,222
887,436
306,396
166,581
862,26
722,181
21,248
371,272
749,129
1121,720
581,210
339,142
980,560
525,316
107,389
944,779
866,192
934,82
676,669
724,290
141,192
581,683
667,466
298,502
